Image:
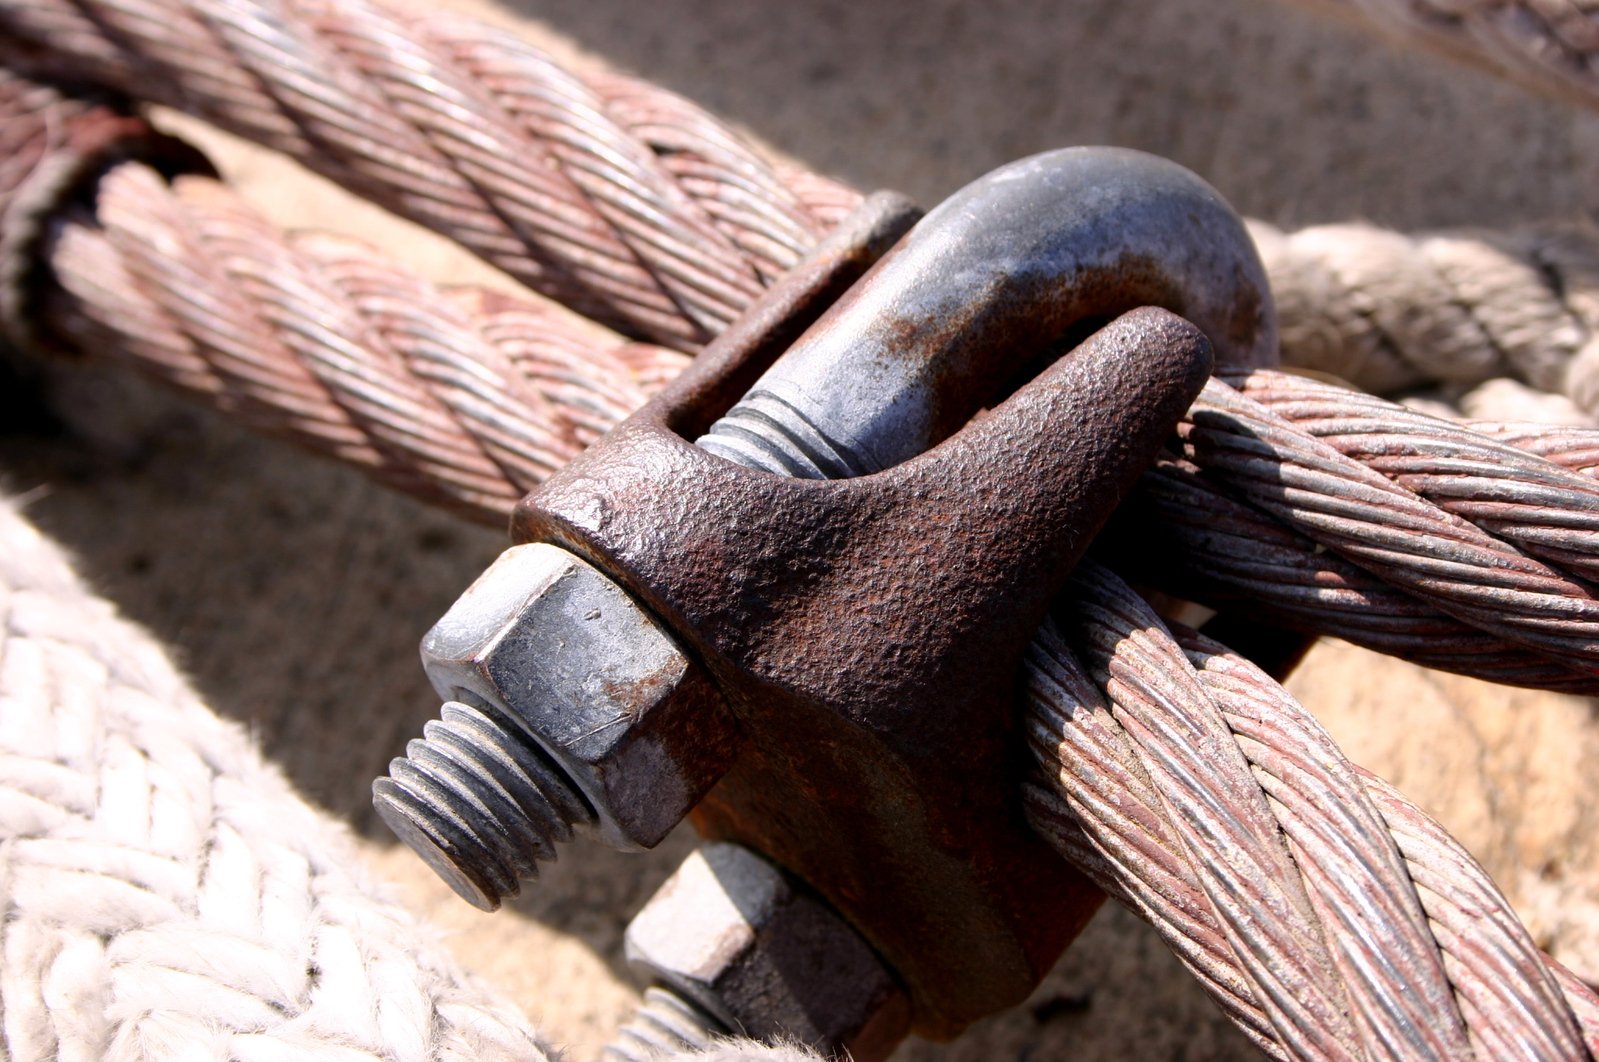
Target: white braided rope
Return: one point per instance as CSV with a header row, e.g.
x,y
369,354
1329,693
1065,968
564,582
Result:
x,y
165,893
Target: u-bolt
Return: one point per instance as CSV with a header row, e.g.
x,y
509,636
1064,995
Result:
x,y
837,658
1010,267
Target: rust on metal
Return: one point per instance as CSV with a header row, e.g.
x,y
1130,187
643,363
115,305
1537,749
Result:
x,y
567,706
868,632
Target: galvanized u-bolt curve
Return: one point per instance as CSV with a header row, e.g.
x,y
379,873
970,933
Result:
x,y
571,707
1017,262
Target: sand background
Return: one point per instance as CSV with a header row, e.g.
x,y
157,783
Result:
x,y
294,592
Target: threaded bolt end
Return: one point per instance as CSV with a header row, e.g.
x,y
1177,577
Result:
x,y
480,802
763,431
665,1024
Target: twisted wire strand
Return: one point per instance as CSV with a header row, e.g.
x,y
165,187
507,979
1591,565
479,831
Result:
x,y
625,176
517,174
1182,532
1544,510
1261,906
1485,948
1569,446
319,340
1355,510
679,215
1582,999
590,378
1157,757
365,376
478,137
152,237
774,213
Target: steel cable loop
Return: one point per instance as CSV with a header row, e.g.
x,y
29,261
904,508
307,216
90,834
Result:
x,y
1132,859
487,436
1157,754
1335,836
1584,1002
485,141
29,144
638,209
1358,512
486,439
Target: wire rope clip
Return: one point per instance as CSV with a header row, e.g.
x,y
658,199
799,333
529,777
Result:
x,y
859,563
807,626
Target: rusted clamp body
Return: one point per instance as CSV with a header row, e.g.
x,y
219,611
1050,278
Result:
x,y
814,618
866,633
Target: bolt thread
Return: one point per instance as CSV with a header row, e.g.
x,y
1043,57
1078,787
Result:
x,y
480,802
664,1024
763,431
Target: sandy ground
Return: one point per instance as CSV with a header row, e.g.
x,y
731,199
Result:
x,y
294,592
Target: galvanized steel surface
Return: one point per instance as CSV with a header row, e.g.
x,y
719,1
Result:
x,y
736,937
992,280
581,713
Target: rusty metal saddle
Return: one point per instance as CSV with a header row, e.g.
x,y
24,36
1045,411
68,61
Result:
x,y
886,492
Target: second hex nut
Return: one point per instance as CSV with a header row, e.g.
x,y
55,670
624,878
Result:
x,y
738,937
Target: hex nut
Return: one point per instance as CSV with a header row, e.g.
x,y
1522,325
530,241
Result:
x,y
569,656
740,938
